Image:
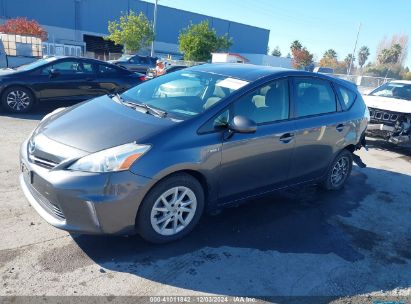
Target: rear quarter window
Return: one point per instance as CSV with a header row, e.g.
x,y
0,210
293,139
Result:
x,y
346,96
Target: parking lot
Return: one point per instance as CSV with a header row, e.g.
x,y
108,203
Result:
x,y
301,242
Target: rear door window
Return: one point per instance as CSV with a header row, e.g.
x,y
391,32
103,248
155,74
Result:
x,y
313,96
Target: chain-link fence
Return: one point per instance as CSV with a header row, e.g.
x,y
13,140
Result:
x,y
61,49
364,83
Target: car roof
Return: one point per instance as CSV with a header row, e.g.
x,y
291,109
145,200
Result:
x,y
80,58
251,72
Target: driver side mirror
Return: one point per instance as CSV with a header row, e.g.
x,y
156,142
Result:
x,y
241,124
53,73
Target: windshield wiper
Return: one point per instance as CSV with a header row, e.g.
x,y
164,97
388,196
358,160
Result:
x,y
134,105
150,109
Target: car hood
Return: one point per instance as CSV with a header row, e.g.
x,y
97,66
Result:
x,y
388,103
101,123
7,71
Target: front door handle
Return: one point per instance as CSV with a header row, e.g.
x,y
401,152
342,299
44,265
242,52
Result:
x,y
287,137
340,128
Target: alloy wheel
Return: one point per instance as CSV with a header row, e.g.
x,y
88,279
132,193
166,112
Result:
x,y
173,211
18,100
340,171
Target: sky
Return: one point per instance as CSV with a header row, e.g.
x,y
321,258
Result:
x,y
318,24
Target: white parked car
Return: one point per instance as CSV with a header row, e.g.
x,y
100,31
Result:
x,y
390,111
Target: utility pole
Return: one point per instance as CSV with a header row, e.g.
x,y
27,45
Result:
x,y
355,48
154,28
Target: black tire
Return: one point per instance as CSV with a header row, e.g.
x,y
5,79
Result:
x,y
24,99
144,216
330,182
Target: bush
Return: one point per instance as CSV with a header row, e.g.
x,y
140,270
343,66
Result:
x,y
384,71
407,76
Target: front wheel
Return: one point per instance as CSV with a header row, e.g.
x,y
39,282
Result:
x,y
339,171
171,209
17,100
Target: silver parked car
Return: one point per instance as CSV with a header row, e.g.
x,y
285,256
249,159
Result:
x,y
154,158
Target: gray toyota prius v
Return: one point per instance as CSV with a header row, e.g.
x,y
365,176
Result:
x,y
154,158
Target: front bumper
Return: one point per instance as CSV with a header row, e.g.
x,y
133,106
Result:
x,y
380,127
92,203
387,132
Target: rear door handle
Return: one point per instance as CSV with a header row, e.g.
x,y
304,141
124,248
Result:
x,y
287,137
340,127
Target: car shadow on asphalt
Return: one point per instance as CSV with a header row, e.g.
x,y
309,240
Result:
x,y
384,145
39,111
303,220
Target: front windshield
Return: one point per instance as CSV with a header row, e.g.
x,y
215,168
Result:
x,y
394,90
35,64
184,94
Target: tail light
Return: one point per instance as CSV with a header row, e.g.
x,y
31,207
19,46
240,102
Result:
x,y
142,78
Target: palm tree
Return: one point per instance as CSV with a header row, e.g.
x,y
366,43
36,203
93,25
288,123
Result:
x,y
349,60
363,54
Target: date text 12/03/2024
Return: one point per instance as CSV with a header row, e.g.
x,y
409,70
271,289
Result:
x,y
202,299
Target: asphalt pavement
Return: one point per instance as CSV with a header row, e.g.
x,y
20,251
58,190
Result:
x,y
300,242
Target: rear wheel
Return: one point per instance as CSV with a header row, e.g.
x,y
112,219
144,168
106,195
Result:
x,y
17,100
171,209
339,171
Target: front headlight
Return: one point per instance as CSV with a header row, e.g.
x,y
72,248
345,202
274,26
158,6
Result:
x,y
367,114
119,158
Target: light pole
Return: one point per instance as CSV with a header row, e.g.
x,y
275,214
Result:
x,y
154,28
353,54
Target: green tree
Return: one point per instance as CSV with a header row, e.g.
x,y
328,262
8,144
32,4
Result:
x,y
198,41
390,56
296,45
276,52
396,51
132,31
330,54
363,55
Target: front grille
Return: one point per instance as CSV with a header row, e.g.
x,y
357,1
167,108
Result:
x,y
53,209
45,163
382,116
57,211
